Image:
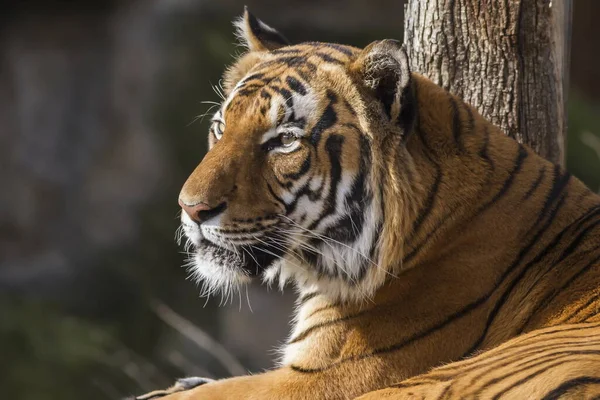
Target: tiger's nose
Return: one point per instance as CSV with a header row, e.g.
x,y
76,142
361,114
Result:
x,y
201,212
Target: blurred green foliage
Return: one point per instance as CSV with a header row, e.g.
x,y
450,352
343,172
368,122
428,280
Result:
x,y
106,348
583,142
51,355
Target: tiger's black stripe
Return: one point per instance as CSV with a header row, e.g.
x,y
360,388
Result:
x,y
289,101
546,301
490,360
456,123
564,387
573,226
529,364
333,146
592,300
327,120
294,51
537,373
304,191
536,183
495,364
559,183
306,297
278,199
513,284
517,166
484,151
577,275
517,359
308,331
350,226
408,112
327,58
319,310
296,86
431,195
342,49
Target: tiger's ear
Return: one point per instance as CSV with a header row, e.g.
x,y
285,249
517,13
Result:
x,y
256,35
382,67
259,38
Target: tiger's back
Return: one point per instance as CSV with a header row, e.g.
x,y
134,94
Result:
x,y
552,363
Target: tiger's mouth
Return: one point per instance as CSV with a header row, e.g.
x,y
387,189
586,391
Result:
x,y
250,259
241,253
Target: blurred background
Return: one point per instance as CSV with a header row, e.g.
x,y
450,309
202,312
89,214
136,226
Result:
x,y
98,130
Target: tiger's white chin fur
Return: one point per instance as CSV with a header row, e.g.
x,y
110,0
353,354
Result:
x,y
307,281
216,279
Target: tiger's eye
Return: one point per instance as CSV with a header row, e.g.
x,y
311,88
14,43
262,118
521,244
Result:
x,y
287,139
218,129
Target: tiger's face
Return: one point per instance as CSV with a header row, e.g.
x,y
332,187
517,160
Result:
x,y
289,189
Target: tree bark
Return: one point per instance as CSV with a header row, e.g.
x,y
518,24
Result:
x,y
507,58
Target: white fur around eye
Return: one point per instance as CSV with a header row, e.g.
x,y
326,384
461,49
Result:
x,y
287,149
270,134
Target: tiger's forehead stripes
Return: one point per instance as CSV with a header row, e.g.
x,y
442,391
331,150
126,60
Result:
x,y
279,100
302,60
289,74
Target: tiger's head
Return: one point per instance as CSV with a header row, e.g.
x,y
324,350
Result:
x,y
305,152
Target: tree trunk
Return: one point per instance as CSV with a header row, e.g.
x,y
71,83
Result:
x,y
507,58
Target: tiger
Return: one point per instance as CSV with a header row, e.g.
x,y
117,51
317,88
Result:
x,y
434,257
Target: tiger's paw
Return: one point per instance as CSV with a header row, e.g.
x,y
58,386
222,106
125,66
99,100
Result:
x,y
180,385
